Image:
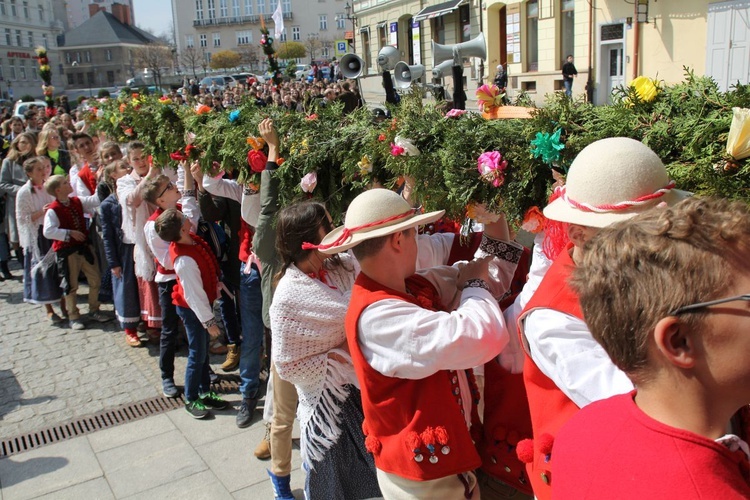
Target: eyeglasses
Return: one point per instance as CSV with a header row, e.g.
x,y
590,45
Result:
x,y
701,305
168,187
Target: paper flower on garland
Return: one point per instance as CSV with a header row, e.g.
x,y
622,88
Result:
x,y
408,147
491,167
257,160
178,156
645,88
396,150
381,137
234,115
479,213
203,109
256,143
533,221
489,97
311,118
165,100
455,113
189,137
365,165
308,182
547,146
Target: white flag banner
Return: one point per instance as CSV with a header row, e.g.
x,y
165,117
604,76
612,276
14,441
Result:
x,y
278,19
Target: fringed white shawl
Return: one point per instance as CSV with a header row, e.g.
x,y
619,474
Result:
x,y
307,323
28,201
133,221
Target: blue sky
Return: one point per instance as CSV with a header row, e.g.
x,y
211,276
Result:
x,y
155,15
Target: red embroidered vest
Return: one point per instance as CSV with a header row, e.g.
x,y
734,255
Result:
x,y
70,217
414,428
88,178
246,240
201,253
550,408
159,268
506,411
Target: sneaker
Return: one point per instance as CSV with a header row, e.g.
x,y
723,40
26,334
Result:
x,y
132,339
169,389
100,316
197,409
77,324
213,400
245,414
54,318
263,450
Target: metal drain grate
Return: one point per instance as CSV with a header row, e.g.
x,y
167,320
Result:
x,y
87,425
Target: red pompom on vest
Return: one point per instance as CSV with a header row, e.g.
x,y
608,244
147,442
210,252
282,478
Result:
x,y
70,217
414,428
201,253
550,408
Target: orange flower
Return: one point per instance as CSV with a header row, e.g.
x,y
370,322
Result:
x,y
123,107
203,109
533,221
280,161
256,143
381,137
129,132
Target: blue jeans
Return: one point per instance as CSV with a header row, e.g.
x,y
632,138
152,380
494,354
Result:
x,y
568,87
4,246
251,318
197,376
228,311
169,331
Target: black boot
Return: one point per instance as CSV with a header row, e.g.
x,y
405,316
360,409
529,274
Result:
x,y
4,271
19,255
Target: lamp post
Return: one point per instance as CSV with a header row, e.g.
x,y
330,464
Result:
x,y
349,16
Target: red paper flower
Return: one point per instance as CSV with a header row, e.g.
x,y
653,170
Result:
x,y
311,117
396,150
381,137
257,160
178,156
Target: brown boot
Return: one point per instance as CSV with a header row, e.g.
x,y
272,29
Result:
x,y
263,450
233,358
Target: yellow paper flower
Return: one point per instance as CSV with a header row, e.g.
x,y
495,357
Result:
x,y
646,88
365,165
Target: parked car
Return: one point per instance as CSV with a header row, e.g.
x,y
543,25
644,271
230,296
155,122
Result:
x,y
303,71
243,77
220,81
21,107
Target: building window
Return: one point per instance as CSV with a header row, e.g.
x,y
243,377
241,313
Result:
x,y
438,31
8,39
248,7
513,33
282,38
199,10
204,40
3,12
286,6
223,8
211,9
261,6
217,39
567,28
13,11
323,22
88,56
464,16
78,57
108,55
340,21
18,38
22,70
41,12
79,77
71,79
34,74
111,77
31,38
68,59
12,64
90,78
236,8
26,10
295,33
532,35
189,41
325,52
208,57
44,41
244,37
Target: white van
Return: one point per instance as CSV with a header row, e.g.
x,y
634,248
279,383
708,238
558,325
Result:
x,y
21,108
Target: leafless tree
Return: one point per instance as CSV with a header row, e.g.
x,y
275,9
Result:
x,y
191,59
312,44
248,55
156,57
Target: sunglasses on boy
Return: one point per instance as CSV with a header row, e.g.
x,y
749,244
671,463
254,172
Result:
x,y
701,305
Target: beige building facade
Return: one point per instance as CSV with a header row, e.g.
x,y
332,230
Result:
x,y
205,27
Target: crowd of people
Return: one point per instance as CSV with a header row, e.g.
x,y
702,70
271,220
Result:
x,y
608,361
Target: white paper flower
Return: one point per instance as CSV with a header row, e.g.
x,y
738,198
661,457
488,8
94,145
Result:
x,y
308,182
409,148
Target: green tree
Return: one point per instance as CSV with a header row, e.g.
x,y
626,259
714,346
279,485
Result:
x,y
225,59
291,50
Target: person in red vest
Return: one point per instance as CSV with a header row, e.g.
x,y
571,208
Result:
x,y
83,173
413,339
65,225
198,287
565,368
666,296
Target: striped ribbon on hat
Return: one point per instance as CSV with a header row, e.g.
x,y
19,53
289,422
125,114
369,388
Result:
x,y
607,207
348,232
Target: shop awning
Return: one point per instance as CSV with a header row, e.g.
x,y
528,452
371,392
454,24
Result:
x,y
438,10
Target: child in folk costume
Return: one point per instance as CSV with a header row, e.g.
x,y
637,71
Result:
x,y
82,175
565,368
64,223
135,213
163,193
666,296
198,285
119,256
41,283
413,339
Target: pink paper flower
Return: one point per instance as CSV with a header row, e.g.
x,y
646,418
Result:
x,y
491,167
455,113
308,182
396,150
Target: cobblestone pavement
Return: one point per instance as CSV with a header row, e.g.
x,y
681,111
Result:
x,y
50,374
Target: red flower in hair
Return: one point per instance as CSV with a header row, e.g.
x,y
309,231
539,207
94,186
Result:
x,y
257,161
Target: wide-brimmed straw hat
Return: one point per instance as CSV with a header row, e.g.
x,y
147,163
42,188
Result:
x,y
374,213
612,180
